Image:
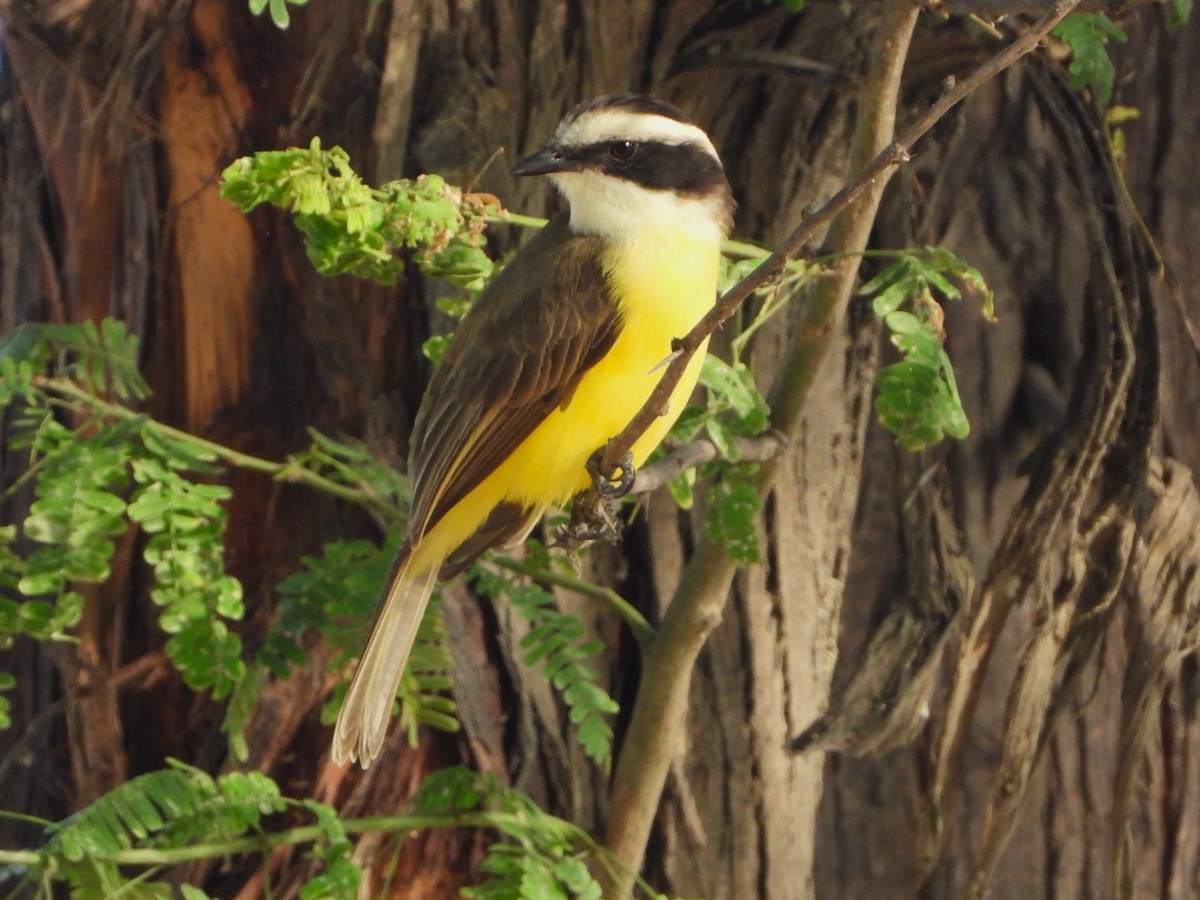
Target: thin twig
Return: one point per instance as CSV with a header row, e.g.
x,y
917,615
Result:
x,y
642,629
291,470
994,9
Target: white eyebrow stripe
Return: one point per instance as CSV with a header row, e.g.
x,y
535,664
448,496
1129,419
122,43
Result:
x,y
621,124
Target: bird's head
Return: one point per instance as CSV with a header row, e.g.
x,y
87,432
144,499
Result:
x,y
629,164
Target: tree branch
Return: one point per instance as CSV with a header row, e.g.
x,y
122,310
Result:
x,y
994,9
687,456
656,728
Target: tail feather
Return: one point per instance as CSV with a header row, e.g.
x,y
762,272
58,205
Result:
x,y
363,721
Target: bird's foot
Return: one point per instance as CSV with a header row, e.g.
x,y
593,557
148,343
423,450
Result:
x,y
616,484
593,518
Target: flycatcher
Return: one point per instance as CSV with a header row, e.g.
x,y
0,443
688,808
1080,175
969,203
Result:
x,y
554,359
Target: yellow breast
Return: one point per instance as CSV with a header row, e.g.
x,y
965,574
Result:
x,y
663,286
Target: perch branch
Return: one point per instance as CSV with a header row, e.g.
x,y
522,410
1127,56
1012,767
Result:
x,y
656,728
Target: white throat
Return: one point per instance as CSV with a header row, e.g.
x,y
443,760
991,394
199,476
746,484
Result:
x,y
623,211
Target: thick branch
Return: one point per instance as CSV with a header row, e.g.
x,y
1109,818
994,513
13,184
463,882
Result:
x,y
688,456
657,725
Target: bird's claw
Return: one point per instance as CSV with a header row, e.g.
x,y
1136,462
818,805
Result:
x,y
616,484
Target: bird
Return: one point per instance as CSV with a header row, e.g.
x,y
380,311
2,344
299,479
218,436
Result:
x,y
555,357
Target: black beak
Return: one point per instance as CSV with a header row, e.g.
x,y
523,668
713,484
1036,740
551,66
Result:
x,y
549,159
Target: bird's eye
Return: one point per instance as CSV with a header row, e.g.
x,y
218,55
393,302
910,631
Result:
x,y
622,151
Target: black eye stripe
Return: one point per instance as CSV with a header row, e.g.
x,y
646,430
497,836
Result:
x,y
686,168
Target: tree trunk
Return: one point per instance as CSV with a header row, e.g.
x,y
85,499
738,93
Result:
x,y
118,119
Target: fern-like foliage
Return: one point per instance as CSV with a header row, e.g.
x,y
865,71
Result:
x,y
334,595
1088,34
7,683
81,475
339,877
77,513
243,699
350,227
164,808
425,693
543,858
280,14
173,815
94,479
378,486
102,357
186,551
557,641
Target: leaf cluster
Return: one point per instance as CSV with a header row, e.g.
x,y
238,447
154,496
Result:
x,y
1088,34
104,357
558,642
542,858
92,478
918,399
280,14
370,482
351,228
185,521
334,595
173,815
733,409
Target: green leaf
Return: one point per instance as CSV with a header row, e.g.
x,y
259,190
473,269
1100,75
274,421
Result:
x,y
41,583
1181,12
889,299
279,13
735,407
242,701
452,789
732,515
681,489
340,878
722,437
1087,34
918,398
726,381
903,322
689,424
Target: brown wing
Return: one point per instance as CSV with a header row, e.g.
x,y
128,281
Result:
x,y
517,355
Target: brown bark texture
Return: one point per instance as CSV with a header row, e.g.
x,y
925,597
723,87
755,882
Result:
x,y
965,670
